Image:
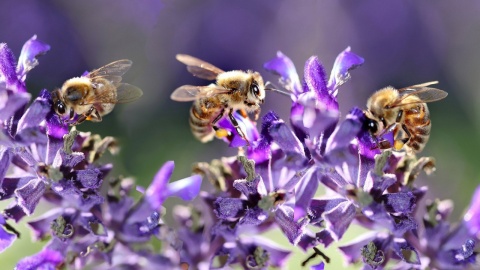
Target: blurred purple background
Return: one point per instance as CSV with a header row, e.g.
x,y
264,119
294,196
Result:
x,y
403,43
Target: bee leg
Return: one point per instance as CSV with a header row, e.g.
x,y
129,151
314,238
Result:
x,y
219,116
80,120
384,143
85,116
257,114
398,144
237,127
399,116
243,113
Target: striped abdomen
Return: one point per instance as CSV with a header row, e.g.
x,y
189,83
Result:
x,y
417,120
202,113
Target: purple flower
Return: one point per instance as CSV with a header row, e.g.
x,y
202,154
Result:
x,y
13,94
253,253
159,190
6,238
472,217
96,222
45,259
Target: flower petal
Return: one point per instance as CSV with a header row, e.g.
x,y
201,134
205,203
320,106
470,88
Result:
x,y
155,193
345,62
7,70
14,212
284,67
11,102
45,259
284,137
315,79
400,203
89,178
311,116
261,151
247,187
405,251
29,126
291,229
376,185
9,185
320,206
253,216
322,237
344,133
403,224
472,217
320,266
29,195
28,56
186,189
304,193
6,238
229,208
6,156
92,224
339,218
67,160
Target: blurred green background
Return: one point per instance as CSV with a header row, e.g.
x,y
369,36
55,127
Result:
x,y
403,42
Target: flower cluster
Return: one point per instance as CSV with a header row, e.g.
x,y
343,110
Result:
x,y
275,186
275,183
92,220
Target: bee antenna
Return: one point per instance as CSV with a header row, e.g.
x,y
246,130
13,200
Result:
x,y
275,89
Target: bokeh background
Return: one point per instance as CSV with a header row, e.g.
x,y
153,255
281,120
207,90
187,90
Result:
x,y
403,42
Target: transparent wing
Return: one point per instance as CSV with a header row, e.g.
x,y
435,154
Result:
x,y
128,93
124,93
190,92
199,68
422,91
112,72
115,80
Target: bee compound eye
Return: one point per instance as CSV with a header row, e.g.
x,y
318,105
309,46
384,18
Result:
x,y
60,107
255,90
372,125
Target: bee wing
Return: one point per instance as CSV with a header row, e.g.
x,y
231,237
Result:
x,y
124,93
199,68
112,72
422,91
128,93
115,80
191,92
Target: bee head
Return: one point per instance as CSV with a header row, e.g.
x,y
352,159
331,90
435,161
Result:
x,y
59,105
256,93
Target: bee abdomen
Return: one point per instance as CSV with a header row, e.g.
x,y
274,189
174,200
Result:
x,y
417,120
201,121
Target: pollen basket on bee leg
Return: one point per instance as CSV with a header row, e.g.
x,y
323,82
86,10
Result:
x,y
222,133
398,145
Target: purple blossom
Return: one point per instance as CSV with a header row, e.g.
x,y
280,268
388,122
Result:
x,y
6,238
96,223
45,259
472,217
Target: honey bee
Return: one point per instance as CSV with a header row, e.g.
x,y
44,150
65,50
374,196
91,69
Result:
x,y
92,96
233,90
403,112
